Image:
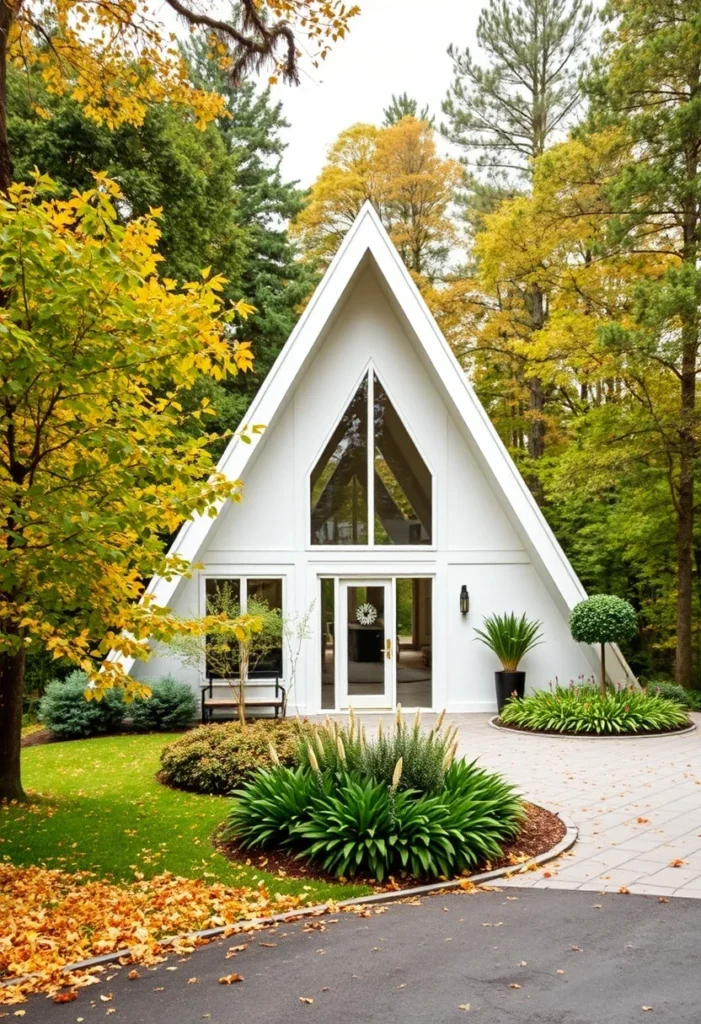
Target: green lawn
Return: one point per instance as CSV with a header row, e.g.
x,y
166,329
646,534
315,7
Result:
x,y
98,807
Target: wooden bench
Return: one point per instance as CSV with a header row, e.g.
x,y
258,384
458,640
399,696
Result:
x,y
228,698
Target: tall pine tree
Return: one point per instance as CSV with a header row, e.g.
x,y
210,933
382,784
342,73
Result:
x,y
504,114
648,85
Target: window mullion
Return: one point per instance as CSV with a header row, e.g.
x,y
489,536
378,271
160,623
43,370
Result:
x,y
371,459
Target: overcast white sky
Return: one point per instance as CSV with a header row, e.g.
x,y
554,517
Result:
x,y
393,46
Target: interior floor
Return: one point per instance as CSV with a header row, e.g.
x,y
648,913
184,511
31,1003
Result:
x,y
414,689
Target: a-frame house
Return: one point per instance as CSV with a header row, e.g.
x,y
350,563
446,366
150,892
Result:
x,y
380,492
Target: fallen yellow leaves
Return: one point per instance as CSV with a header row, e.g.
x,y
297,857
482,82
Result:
x,y
230,979
51,918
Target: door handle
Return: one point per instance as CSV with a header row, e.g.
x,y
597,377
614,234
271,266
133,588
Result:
x,y
388,648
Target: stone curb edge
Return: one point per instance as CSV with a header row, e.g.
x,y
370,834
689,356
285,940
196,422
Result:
x,y
592,736
566,843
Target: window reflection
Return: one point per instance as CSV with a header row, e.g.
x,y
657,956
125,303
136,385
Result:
x,y
339,480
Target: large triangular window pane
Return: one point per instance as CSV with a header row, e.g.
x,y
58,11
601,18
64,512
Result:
x,y
339,500
402,481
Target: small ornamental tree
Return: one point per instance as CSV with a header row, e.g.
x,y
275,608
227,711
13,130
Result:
x,y
603,619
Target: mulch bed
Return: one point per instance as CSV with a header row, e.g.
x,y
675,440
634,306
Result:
x,y
39,737
540,831
591,735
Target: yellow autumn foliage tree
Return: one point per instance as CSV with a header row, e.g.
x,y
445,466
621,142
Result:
x,y
400,171
117,56
98,459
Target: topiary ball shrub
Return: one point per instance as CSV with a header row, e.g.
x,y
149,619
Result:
x,y
67,714
603,619
579,710
221,757
172,705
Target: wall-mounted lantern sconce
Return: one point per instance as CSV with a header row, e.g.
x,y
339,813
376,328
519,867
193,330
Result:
x,y
464,601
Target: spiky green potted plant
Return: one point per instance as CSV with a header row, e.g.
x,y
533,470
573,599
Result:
x,y
511,639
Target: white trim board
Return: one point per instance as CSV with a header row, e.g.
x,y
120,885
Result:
x,y
368,240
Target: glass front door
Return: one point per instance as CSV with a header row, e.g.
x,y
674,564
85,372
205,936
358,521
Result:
x,y
366,639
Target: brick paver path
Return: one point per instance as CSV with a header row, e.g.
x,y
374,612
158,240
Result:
x,y
637,803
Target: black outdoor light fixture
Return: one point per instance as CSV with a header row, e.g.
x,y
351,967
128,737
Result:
x,y
464,601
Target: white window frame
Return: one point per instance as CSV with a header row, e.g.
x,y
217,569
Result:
x,y
243,578
369,373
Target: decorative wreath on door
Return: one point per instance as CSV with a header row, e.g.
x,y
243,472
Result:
x,y
366,614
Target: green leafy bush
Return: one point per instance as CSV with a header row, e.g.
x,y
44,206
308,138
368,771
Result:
x,y
510,638
583,709
220,757
352,824
64,710
425,756
603,619
172,705
673,691
267,810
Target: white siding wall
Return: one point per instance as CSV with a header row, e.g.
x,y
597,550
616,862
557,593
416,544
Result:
x,y
474,541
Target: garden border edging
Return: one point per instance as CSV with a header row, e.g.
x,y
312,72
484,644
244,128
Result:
x,y
592,736
565,844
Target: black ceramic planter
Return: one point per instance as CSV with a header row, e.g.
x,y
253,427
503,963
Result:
x,y
508,683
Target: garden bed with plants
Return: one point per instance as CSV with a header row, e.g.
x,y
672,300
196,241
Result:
x,y
582,710
539,831
332,803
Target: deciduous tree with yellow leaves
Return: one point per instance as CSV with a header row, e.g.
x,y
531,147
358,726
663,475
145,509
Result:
x,y
96,461
399,170
95,458
116,56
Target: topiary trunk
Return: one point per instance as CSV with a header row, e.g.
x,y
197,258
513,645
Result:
x,y
603,670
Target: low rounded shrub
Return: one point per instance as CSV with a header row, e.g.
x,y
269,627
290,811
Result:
x,y
673,691
220,757
172,705
67,714
583,709
349,823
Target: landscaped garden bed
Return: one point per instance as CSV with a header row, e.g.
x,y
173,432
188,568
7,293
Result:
x,y
540,830
397,806
582,710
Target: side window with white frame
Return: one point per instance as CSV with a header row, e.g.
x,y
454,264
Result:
x,y
235,596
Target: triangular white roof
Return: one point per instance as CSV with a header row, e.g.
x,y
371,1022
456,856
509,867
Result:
x,y
367,240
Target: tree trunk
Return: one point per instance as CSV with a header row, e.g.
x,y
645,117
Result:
x,y
603,670
243,675
685,510
536,401
11,691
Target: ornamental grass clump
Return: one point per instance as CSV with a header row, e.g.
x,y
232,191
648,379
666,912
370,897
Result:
x,y
583,709
348,807
425,756
510,638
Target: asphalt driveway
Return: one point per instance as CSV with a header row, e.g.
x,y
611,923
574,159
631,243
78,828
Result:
x,y
515,955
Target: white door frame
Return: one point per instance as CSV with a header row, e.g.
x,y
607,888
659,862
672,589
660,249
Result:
x,y
367,702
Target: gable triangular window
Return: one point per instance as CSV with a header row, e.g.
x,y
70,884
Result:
x,y
370,485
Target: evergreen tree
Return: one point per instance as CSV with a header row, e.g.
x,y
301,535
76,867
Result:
x,y
223,201
504,115
647,86
404,106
